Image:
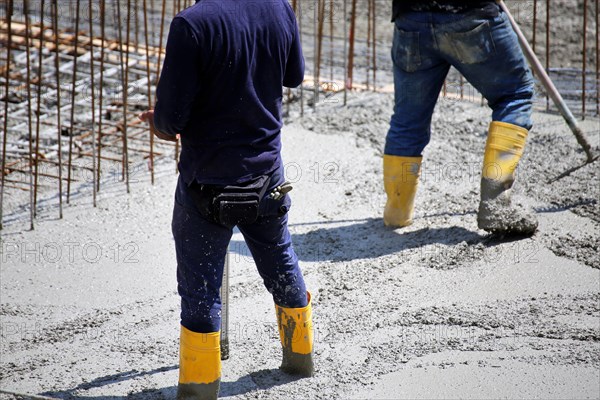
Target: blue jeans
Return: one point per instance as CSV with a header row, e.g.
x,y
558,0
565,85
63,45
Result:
x,y
484,49
201,247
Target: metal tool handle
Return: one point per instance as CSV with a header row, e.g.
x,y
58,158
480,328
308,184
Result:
x,y
549,85
225,310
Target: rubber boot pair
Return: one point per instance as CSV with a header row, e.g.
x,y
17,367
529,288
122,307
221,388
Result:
x,y
504,148
200,354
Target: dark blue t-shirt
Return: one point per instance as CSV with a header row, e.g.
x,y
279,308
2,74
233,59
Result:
x,y
221,87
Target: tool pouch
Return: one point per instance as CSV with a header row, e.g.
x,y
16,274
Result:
x,y
233,204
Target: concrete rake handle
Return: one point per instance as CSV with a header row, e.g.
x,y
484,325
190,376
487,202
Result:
x,y
549,85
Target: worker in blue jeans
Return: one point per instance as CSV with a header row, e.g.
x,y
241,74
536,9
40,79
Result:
x,y
476,38
220,92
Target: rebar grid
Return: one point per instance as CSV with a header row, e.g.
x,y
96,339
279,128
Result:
x,y
72,92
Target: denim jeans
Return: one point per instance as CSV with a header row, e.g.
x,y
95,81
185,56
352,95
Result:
x,y
201,246
483,48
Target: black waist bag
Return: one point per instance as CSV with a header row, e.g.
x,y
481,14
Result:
x,y
233,204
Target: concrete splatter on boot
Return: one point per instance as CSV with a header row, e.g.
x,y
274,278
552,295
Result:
x,y
497,214
199,365
296,334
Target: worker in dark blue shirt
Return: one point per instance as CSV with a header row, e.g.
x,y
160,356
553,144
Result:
x,y
220,92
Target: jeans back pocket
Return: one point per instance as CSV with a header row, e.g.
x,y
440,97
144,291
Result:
x,y
405,50
474,46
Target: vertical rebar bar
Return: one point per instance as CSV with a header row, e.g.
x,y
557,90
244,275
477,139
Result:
x,y
321,24
93,99
331,26
136,26
597,59
316,4
160,39
374,46
584,61
101,90
58,105
125,97
345,51
547,49
149,86
73,93
534,25
38,109
29,119
368,52
351,46
300,32
9,12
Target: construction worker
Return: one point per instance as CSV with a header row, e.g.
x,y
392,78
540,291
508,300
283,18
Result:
x,y
476,38
220,91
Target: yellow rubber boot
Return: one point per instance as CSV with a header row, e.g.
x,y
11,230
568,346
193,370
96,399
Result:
x,y
503,150
400,180
296,334
199,365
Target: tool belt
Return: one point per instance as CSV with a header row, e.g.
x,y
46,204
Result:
x,y
233,204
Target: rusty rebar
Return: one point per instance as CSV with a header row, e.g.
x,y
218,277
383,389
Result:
x,y
316,4
58,105
126,98
7,87
125,83
584,60
73,94
345,51
534,25
160,39
38,110
149,86
368,52
101,90
93,99
29,119
547,49
321,21
597,59
351,46
331,37
302,83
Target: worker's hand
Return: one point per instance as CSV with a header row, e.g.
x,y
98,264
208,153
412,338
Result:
x,y
148,116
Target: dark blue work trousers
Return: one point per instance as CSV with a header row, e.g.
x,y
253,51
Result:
x,y
484,49
201,246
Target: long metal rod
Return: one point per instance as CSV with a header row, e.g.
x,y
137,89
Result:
x,y
374,45
160,39
101,90
300,32
73,94
126,98
316,5
225,310
93,93
29,109
368,52
584,60
345,51
7,87
149,94
351,50
547,47
58,119
597,58
551,89
39,111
